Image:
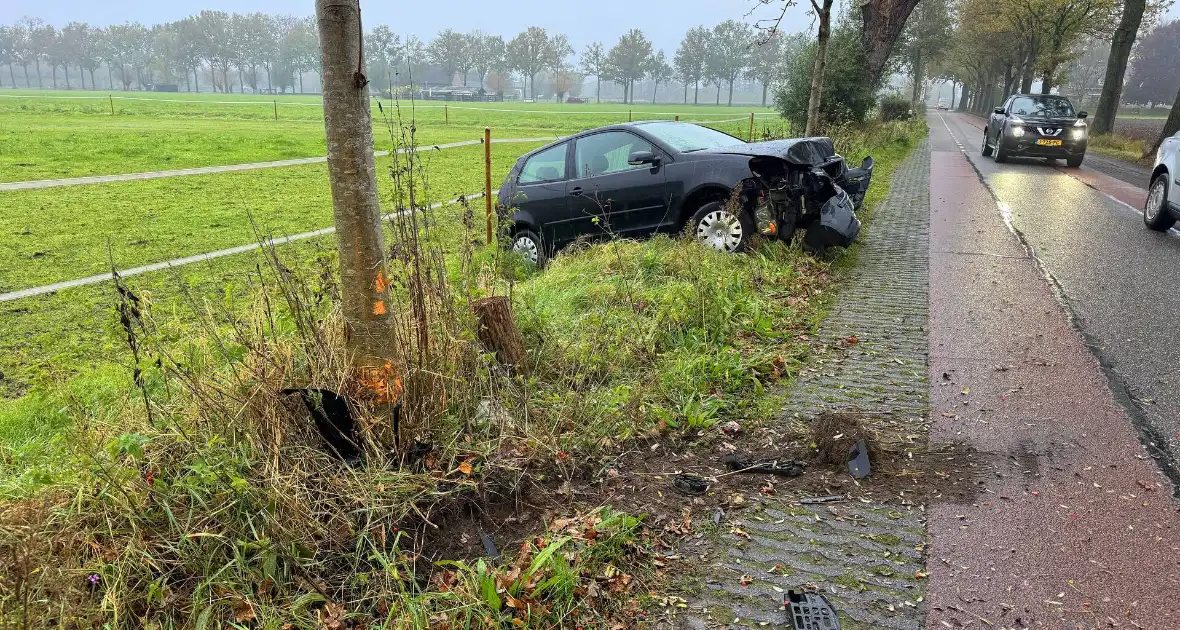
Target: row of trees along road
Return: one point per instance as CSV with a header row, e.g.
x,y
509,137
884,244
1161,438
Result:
x,y
231,49
1004,46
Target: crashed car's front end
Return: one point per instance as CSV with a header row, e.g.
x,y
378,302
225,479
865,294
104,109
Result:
x,y
803,184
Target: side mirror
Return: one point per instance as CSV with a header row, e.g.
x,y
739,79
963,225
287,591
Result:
x,y
642,157
998,110
1082,115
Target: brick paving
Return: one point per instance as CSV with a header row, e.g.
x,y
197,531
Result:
x,y
862,556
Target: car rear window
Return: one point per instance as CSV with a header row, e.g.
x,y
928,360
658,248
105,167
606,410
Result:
x,y
1053,106
546,166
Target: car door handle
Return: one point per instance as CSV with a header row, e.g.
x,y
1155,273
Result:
x,y
576,191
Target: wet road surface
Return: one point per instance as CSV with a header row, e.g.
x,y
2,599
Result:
x,y
1033,274
1119,279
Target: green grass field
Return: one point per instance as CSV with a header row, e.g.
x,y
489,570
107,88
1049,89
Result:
x,y
53,135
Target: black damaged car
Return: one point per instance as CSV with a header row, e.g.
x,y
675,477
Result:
x,y
1036,125
659,176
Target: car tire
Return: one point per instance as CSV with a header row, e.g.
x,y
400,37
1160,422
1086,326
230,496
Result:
x,y
529,245
715,225
1155,209
1075,161
987,149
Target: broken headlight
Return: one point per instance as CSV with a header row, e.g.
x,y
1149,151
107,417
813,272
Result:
x,y
764,217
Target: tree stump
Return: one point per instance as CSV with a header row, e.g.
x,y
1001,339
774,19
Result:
x,y
498,333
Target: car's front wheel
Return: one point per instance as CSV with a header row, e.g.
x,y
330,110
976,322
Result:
x,y
718,227
986,150
529,245
1155,211
1075,161
1001,152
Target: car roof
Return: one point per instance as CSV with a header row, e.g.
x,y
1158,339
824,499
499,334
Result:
x,y
613,127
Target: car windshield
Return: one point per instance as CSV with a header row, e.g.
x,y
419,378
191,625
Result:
x,y
1049,106
686,137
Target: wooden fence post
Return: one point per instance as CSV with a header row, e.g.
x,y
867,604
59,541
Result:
x,y
112,100
487,179
276,110
751,126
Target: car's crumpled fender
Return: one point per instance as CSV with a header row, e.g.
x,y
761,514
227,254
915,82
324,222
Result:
x,y
837,223
856,181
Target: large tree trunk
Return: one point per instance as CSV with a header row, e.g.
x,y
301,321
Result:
x,y
1116,66
730,101
696,91
26,67
533,86
597,89
110,78
718,100
764,87
1171,126
1027,72
12,75
66,71
821,60
883,22
685,89
964,97
918,71
368,317
40,86
53,70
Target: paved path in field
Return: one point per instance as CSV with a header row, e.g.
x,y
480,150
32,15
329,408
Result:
x,y
229,168
863,553
196,258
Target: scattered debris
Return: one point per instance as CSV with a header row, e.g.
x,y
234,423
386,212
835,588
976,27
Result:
x,y
783,468
831,498
858,460
333,420
810,611
690,484
834,434
489,547
731,428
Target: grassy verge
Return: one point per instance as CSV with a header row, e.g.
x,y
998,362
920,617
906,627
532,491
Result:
x,y
1120,147
196,493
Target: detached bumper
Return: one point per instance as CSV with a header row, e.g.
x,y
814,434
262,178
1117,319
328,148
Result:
x,y
837,223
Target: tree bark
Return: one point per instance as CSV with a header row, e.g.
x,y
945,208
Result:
x,y
598,89
1171,126
817,74
26,67
685,89
729,103
764,87
883,21
364,286
40,86
917,62
54,72
12,75
964,96
1116,66
696,91
498,333
1026,73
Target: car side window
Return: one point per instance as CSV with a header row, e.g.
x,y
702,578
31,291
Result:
x,y
607,152
546,166
1008,105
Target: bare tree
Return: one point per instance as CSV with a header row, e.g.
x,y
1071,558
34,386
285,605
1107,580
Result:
x,y
364,286
594,62
821,52
1116,65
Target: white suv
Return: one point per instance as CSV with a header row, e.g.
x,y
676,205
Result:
x,y
1162,209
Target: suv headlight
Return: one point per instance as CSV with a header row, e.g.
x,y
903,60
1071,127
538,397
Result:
x,y
1077,133
1017,131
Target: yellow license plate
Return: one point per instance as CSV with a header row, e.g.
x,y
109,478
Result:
x,y
1049,143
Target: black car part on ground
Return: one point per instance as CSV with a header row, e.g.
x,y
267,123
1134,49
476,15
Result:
x,y
810,611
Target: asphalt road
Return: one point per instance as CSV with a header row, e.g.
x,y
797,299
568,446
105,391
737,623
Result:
x,y
1117,278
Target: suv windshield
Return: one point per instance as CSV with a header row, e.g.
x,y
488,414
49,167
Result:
x,y
685,137
1048,106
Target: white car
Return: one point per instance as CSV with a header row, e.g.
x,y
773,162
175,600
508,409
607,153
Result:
x,y
1162,209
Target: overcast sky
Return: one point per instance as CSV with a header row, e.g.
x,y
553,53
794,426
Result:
x,y
663,21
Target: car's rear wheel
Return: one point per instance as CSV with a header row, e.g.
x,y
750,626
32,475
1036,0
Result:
x,y
715,225
986,150
1155,210
529,245
1075,161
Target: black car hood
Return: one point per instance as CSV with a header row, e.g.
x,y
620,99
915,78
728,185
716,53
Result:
x,y
799,151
